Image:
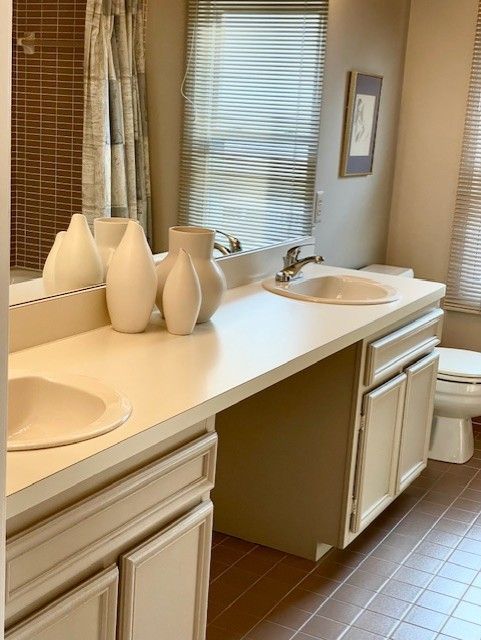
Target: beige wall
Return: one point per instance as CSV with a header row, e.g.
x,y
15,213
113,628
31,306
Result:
x,y
369,36
438,61
5,80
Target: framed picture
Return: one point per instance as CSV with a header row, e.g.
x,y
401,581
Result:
x,y
364,97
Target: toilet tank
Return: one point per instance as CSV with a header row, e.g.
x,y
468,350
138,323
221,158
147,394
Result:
x,y
389,270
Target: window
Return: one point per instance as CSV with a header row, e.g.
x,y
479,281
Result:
x,y
464,275
251,122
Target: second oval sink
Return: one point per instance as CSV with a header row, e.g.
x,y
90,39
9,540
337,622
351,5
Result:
x,y
49,411
335,289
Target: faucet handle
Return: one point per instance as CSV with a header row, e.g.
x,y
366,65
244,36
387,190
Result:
x,y
234,242
293,253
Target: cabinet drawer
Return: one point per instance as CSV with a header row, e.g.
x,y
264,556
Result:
x,y
390,354
59,551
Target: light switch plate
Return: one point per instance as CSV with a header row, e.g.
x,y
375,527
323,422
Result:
x,y
318,206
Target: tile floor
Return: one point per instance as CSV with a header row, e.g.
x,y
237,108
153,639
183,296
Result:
x,y
414,574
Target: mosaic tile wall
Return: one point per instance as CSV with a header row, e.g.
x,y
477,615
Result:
x,y
47,104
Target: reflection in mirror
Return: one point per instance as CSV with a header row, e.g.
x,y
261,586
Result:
x,y
82,159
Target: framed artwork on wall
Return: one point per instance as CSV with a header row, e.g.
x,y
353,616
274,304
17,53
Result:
x,y
360,128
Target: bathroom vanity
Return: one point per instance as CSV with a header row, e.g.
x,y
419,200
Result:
x,y
312,460
130,557
322,416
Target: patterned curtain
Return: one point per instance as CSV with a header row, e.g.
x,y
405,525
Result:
x,y
115,171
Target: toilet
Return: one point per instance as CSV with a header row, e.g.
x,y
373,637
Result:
x,y
457,398
389,270
457,401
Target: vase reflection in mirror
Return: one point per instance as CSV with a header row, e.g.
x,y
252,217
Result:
x,y
198,242
74,260
108,233
48,273
131,282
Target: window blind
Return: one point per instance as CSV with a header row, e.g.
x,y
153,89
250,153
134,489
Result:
x,y
464,274
251,122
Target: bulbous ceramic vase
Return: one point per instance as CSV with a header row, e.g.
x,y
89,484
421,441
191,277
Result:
x,y
198,242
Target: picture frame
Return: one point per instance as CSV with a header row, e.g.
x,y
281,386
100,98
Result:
x,y
361,122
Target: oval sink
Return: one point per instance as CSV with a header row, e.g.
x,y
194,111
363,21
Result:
x,y
50,411
337,289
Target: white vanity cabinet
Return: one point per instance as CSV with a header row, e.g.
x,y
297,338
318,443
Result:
x,y
393,441
311,461
395,419
145,537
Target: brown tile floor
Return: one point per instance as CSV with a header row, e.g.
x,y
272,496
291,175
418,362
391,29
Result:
x,y
414,574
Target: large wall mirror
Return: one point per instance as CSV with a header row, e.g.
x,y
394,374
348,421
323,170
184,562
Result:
x,y
191,112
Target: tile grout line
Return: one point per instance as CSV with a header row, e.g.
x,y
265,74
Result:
x,y
234,563
295,632
421,498
259,578
411,605
460,484
332,595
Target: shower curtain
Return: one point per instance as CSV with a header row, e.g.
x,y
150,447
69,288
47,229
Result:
x,y
115,166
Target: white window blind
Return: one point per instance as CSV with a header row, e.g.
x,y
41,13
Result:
x,y
464,275
251,122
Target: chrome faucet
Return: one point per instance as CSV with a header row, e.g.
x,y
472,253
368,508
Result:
x,y
234,244
293,265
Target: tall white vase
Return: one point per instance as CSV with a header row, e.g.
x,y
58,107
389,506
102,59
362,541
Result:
x,y
131,282
108,233
199,244
78,263
181,298
48,273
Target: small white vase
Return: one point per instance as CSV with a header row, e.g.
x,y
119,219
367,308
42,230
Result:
x,y
181,298
78,263
199,244
108,233
48,273
131,282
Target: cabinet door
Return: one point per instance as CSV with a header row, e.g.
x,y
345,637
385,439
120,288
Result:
x,y
378,451
418,417
165,581
86,613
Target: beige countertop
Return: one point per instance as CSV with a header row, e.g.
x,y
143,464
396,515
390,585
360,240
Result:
x,y
254,340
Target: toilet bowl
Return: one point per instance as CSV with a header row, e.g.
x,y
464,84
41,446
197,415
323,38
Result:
x,y
457,401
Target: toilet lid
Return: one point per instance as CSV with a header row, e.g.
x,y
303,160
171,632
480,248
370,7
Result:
x,y
459,364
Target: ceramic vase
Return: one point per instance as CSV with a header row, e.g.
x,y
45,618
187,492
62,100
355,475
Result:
x,y
48,273
199,244
181,298
78,263
108,233
131,282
